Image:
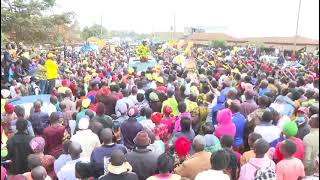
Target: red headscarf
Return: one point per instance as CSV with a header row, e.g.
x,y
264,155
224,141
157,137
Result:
x,y
156,117
9,108
167,110
182,146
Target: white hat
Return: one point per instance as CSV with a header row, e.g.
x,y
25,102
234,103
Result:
x,y
5,93
84,123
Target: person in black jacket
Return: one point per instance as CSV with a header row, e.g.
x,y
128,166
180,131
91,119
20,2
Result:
x,y
19,148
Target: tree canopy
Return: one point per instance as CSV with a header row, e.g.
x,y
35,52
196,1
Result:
x,y
94,31
28,21
218,43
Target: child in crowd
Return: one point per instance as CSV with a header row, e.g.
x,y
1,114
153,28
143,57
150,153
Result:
x,y
290,167
250,170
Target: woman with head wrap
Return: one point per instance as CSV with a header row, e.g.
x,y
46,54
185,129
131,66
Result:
x,y
290,130
168,119
130,128
181,150
154,102
37,145
6,119
160,130
225,125
199,115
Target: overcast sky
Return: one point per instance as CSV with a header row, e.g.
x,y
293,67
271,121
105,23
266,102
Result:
x,y
239,18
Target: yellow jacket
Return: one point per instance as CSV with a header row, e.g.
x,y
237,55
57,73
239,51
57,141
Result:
x,y
52,69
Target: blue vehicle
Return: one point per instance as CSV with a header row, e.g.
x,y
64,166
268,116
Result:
x,y
27,102
134,62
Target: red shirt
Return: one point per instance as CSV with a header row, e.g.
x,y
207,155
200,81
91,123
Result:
x,y
72,87
54,140
300,149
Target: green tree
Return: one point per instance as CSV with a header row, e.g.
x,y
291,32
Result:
x,y
26,21
218,43
94,31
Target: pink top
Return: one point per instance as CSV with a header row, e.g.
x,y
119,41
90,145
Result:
x,y
248,170
177,127
225,124
289,169
169,123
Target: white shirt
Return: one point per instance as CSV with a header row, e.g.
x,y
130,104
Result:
x,y
60,162
68,171
268,132
134,99
212,174
88,141
50,109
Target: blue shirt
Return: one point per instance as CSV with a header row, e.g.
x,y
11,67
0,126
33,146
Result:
x,y
239,120
264,91
29,127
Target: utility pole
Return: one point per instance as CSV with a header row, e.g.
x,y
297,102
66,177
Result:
x,y
101,27
295,37
174,25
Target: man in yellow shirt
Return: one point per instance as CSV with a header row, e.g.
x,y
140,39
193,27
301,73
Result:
x,y
52,71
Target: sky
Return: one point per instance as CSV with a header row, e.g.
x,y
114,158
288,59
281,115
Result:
x,y
239,18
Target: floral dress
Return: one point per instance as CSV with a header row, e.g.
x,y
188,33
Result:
x,y
161,132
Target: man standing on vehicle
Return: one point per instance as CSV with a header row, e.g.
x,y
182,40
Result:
x,y
52,72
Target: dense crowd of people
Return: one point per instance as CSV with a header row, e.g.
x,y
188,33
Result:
x,y
201,113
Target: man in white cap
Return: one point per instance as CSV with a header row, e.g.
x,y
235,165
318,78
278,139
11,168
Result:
x,y
86,138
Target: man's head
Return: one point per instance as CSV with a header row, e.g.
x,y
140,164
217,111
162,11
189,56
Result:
x,y
37,106
263,101
165,163
96,127
53,100
232,93
148,112
33,161
142,140
199,143
75,150
185,124
106,135
249,94
226,141
22,125
314,121
264,84
100,109
288,148
125,92
182,107
253,137
140,97
261,147
19,110
68,93
219,160
39,173
267,117
235,106
89,113
63,106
